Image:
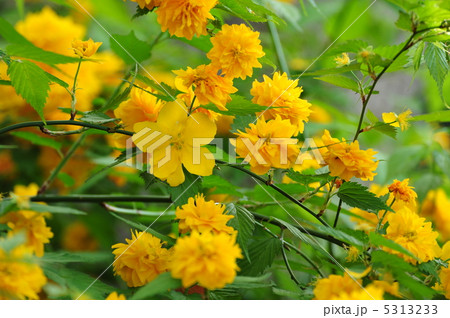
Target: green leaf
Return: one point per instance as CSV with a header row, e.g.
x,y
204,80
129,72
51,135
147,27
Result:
x,y
66,179
340,81
404,21
159,285
130,45
358,196
170,241
242,122
386,129
30,82
168,93
56,80
77,282
244,223
378,240
262,252
351,46
4,82
96,117
219,186
440,116
436,59
38,140
203,43
250,282
417,58
8,32
308,178
238,106
188,189
334,70
29,51
76,257
248,10
371,116
54,209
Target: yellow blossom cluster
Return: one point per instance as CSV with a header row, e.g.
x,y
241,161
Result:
x,y
348,160
436,207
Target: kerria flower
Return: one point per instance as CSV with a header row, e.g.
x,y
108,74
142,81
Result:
x,y
23,193
203,216
33,223
403,193
185,18
236,49
115,296
400,120
174,141
20,277
283,95
444,277
188,99
207,259
347,160
336,287
342,60
209,87
141,259
268,144
85,48
149,4
436,206
412,232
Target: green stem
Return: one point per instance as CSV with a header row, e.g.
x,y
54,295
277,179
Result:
x,y
273,186
338,212
278,47
73,91
99,198
192,105
326,237
41,124
286,261
56,133
61,164
120,210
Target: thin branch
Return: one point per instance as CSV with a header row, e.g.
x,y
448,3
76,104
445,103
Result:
x,y
120,210
286,261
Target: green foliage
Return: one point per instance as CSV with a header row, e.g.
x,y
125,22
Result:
x,y
219,186
159,285
238,106
436,59
44,208
167,93
96,117
248,10
30,82
244,223
130,48
379,240
341,81
358,196
189,188
261,252
38,140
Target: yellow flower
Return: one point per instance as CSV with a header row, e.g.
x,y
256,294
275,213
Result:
x,y
208,86
283,94
34,225
115,296
141,106
352,254
236,49
149,4
347,160
207,259
177,143
22,194
203,216
50,32
320,115
436,206
442,138
388,285
267,144
342,60
336,287
20,277
185,18
409,230
398,120
77,238
85,48
444,277
141,259
188,97
445,254
403,194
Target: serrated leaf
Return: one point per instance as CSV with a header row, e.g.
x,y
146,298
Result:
x,y
30,82
371,116
358,196
436,59
130,45
340,81
417,58
238,106
37,139
96,117
248,10
378,240
244,223
170,241
188,189
308,178
242,122
159,285
404,21
386,129
219,185
262,253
